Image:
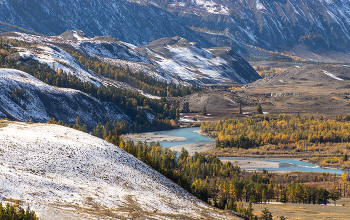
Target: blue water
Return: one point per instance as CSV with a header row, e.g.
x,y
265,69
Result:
x,y
191,137
284,164
289,165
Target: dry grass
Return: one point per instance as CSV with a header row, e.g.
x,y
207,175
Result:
x,y
132,210
307,211
4,123
307,90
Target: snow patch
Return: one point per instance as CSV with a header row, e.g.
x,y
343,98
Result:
x,y
212,7
76,35
185,120
332,75
230,100
259,5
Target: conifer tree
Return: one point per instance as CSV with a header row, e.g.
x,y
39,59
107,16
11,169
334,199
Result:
x,y
186,107
267,215
78,121
239,108
250,209
259,109
204,111
321,118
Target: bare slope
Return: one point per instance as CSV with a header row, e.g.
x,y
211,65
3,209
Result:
x,y
63,173
310,90
330,76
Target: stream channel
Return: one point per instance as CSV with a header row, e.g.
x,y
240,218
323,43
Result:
x,y
284,164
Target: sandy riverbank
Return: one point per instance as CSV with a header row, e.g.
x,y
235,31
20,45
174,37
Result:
x,y
253,164
192,148
149,137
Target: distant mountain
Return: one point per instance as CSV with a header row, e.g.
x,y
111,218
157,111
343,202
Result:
x,y
190,63
278,25
134,23
309,29
173,60
51,168
24,97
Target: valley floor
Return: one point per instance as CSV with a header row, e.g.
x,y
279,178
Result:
x,y
307,211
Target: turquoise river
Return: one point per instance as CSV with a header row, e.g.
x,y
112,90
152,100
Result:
x,y
285,165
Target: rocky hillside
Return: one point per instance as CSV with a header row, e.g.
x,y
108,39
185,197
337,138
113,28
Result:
x,y
63,173
130,22
280,25
23,97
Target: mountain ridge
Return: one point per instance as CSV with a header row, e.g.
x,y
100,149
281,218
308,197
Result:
x,y
121,19
289,26
272,25
39,101
173,60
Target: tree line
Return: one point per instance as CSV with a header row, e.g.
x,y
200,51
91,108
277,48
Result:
x,y
16,212
282,129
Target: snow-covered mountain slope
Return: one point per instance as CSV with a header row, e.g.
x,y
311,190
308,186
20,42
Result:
x,y
271,24
126,20
63,173
109,50
173,60
45,50
39,101
197,65
57,58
